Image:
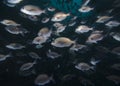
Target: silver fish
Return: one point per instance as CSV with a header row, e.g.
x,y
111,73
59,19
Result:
x,y
14,1
93,61
52,54
42,79
60,29
60,16
39,40
27,66
77,47
56,25
9,22
15,46
112,24
11,3
45,32
16,30
71,23
103,19
84,9
95,37
83,66
115,35
4,57
62,42
82,29
31,10
34,55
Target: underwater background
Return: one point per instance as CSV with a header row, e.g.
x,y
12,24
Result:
x,y
9,69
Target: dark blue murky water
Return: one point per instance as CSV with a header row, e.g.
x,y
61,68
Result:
x,y
9,69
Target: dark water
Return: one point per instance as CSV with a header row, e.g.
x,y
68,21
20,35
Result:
x,y
46,65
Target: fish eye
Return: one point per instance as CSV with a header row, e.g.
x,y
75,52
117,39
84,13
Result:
x,y
57,17
92,38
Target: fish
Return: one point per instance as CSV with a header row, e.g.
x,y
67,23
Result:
x,y
116,50
77,47
60,16
85,9
83,66
103,19
4,57
60,29
42,79
62,42
52,55
56,25
9,5
94,61
34,55
16,30
39,40
115,35
45,20
15,46
45,32
83,29
112,24
32,10
8,22
71,23
95,37
13,1
27,66
114,78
